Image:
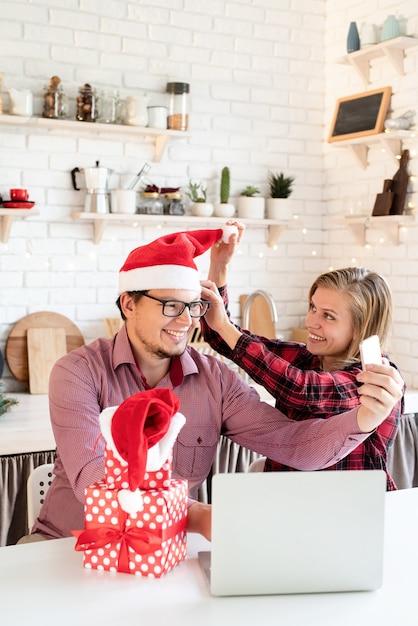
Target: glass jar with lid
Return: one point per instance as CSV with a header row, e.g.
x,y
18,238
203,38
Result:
x,y
108,106
174,204
151,203
55,100
178,106
86,104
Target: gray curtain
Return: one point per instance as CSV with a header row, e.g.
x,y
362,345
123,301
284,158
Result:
x,y
15,470
230,457
403,456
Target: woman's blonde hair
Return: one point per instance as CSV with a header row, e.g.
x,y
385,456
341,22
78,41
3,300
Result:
x,y
371,305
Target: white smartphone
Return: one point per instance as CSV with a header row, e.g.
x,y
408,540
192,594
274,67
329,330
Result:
x,y
370,351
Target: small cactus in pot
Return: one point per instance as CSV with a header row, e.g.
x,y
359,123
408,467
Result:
x,y
225,208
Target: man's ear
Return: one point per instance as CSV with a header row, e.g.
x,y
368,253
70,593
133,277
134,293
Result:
x,y
127,304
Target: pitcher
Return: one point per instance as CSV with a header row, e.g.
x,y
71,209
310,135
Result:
x,y
21,102
136,110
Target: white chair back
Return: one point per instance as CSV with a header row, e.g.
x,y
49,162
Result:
x,y
39,481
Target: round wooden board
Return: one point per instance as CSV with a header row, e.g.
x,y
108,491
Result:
x,y
16,345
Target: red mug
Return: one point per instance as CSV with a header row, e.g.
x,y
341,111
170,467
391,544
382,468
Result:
x,y
19,194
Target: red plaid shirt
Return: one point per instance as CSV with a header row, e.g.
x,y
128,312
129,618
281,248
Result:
x,y
292,375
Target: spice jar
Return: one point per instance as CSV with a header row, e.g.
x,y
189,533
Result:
x,y
151,204
108,105
86,104
174,204
55,101
178,106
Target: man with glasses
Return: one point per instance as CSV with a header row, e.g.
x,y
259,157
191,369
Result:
x,y
160,303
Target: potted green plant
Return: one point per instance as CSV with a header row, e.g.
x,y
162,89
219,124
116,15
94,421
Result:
x,y
6,403
250,206
225,208
200,206
281,187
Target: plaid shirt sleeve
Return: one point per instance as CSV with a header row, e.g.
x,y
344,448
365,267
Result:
x,y
292,375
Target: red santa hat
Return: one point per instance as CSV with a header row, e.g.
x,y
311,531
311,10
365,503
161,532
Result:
x,y
141,432
167,262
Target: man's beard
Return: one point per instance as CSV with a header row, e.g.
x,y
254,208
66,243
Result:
x,y
159,351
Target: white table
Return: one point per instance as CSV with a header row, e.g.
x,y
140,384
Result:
x,y
46,582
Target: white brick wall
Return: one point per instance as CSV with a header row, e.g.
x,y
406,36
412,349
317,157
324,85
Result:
x,y
263,87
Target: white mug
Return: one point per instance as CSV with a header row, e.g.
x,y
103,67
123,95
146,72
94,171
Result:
x,y
124,201
157,117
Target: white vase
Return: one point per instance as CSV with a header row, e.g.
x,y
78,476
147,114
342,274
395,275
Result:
x,y
224,209
251,208
202,209
279,208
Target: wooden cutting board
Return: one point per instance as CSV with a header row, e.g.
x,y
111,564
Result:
x,y
16,352
260,322
45,347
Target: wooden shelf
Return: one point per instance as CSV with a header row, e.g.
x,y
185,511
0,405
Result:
x,y
7,216
100,221
390,224
390,141
392,49
160,137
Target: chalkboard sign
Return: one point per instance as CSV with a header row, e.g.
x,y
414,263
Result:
x,y
360,115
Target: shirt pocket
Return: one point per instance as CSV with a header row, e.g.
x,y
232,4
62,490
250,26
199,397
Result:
x,y
194,451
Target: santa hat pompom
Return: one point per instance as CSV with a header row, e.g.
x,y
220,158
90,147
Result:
x,y
130,501
227,231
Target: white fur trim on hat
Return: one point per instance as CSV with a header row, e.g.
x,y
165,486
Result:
x,y
159,277
105,421
158,454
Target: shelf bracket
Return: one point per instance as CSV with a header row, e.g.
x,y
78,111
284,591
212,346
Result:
x,y
396,57
359,232
362,66
359,152
99,228
160,145
274,232
6,227
392,231
393,146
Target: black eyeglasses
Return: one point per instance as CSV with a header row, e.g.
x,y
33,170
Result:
x,y
174,308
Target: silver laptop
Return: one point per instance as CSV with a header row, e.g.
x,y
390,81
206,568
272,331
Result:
x,y
296,532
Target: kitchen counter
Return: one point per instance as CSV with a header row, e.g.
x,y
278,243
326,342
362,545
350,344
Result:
x,y
26,426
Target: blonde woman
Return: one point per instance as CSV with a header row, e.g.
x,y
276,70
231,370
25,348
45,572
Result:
x,y
317,379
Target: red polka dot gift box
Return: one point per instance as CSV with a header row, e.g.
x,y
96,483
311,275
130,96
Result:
x,y
147,543
135,519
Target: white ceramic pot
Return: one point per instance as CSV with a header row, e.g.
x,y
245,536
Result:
x,y
124,201
279,208
251,208
224,209
202,209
